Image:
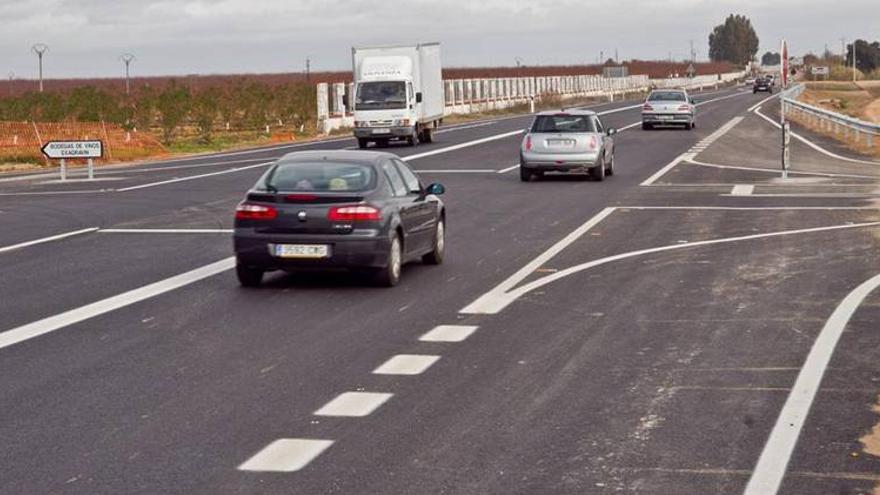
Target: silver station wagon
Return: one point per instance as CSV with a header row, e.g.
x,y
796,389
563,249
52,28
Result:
x,y
567,141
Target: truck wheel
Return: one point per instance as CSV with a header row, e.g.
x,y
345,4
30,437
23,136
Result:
x,y
362,143
428,135
413,140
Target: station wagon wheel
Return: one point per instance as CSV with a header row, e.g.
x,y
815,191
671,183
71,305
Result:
x,y
609,169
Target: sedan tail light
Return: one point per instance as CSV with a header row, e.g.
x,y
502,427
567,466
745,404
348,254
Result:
x,y
249,211
683,108
648,108
528,143
354,213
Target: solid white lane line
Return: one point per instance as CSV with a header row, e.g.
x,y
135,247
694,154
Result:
x,y
455,171
55,193
508,169
505,299
449,333
353,404
666,168
746,208
765,100
286,455
165,231
47,239
406,364
52,323
467,144
463,127
742,190
777,171
630,126
771,467
193,177
815,195
812,144
485,303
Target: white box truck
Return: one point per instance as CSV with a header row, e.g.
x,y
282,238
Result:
x,y
398,93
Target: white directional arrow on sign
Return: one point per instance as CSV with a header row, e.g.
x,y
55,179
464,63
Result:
x,y
73,149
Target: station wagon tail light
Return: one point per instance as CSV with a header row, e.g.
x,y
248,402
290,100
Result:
x,y
528,143
248,211
648,108
354,213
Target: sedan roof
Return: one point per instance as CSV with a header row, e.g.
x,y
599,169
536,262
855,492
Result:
x,y
351,156
573,111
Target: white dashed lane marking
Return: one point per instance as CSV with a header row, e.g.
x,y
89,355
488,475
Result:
x,y
286,455
742,190
353,404
406,364
449,333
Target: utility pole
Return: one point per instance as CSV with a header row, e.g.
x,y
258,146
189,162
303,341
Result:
x,y
40,49
11,79
843,50
693,53
854,60
127,59
308,69
616,59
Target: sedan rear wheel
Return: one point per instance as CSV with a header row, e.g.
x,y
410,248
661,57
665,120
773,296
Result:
x,y
525,174
609,169
389,275
435,257
247,276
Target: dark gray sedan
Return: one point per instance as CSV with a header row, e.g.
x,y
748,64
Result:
x,y
358,210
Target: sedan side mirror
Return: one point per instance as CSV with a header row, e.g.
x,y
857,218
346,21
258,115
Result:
x,y
611,131
435,189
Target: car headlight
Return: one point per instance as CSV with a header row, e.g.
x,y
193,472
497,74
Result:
x,y
401,123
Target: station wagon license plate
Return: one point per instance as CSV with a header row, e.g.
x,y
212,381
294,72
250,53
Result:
x,y
302,251
560,143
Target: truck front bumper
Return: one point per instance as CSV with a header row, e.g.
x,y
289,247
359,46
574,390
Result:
x,y
382,132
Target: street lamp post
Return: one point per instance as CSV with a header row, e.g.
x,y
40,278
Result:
x,y
11,76
40,49
127,58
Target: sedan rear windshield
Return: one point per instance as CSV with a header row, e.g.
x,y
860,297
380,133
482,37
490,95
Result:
x,y
563,123
318,177
667,96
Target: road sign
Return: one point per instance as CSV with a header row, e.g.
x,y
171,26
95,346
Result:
x,y
59,150
784,62
820,70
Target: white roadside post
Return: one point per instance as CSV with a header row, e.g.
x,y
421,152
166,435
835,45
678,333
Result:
x,y
786,149
62,150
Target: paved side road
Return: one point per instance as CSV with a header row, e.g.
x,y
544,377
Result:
x,y
582,337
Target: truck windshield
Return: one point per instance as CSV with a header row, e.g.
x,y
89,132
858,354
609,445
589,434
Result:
x,y
381,95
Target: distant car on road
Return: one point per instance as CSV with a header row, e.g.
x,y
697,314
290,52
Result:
x,y
763,84
669,107
357,210
749,81
567,141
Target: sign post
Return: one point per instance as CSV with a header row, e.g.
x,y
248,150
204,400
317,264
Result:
x,y
786,149
62,150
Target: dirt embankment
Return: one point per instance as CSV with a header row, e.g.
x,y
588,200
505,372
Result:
x,y
860,100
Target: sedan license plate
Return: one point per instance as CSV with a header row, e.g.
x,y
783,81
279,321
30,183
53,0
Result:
x,y
666,117
381,131
560,143
307,251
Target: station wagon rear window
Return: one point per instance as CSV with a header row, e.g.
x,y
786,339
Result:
x,y
319,177
562,123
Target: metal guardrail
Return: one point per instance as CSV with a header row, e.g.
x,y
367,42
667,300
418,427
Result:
x,y
826,120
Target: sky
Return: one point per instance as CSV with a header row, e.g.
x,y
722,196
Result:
x,y
178,37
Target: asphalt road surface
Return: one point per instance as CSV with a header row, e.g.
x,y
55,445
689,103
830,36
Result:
x,y
692,325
